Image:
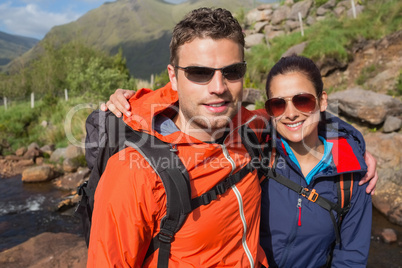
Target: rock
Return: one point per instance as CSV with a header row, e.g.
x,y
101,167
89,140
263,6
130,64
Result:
x,y
385,79
365,105
33,145
48,149
329,5
292,25
259,26
73,180
55,250
38,174
58,154
280,14
392,124
21,151
69,165
359,10
321,11
297,49
386,149
254,39
339,11
329,65
73,151
303,7
388,235
32,153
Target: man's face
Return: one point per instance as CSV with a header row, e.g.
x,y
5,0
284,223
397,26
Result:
x,y
209,106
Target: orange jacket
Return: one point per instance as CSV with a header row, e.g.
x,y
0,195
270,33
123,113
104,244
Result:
x,y
130,200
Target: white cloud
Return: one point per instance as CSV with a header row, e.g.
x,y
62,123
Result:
x,y
31,20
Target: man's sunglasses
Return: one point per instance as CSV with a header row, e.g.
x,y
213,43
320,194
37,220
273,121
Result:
x,y
304,102
200,74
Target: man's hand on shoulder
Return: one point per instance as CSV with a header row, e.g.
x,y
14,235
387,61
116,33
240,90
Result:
x,y
371,176
118,102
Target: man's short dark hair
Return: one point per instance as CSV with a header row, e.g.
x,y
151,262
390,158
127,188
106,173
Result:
x,y
205,23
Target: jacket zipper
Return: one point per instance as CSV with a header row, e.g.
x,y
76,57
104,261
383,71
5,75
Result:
x,y
299,201
241,207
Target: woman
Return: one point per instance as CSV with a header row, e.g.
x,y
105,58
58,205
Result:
x,y
312,155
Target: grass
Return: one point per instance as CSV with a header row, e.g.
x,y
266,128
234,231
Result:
x,y
21,125
330,38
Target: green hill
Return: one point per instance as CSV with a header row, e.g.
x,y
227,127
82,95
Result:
x,y
12,46
142,28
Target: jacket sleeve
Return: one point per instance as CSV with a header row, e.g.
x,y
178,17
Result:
x,y
124,214
355,231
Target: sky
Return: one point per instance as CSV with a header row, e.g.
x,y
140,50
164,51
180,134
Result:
x,y
34,18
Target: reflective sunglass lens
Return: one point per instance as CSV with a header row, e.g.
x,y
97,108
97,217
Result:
x,y
304,102
199,74
204,74
235,71
276,106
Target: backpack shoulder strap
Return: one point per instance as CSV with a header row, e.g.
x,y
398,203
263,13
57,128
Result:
x,y
163,159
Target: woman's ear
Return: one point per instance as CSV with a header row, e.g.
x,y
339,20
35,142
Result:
x,y
172,76
323,101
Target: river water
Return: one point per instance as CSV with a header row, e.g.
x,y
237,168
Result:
x,y
27,210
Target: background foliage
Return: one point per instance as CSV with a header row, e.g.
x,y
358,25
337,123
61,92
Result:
x,y
91,74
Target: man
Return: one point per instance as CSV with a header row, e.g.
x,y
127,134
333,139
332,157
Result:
x,y
206,76
198,113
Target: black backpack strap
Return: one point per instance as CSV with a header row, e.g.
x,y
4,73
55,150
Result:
x,y
176,182
257,150
221,187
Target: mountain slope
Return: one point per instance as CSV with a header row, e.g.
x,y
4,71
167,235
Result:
x,y
12,46
142,28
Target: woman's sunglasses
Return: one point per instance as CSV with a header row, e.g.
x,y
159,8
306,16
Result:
x,y
200,74
304,102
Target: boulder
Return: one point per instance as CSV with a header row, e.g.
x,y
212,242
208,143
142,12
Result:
x,y
364,105
69,165
58,154
296,49
73,180
33,145
389,235
303,7
47,250
280,14
254,39
73,151
48,149
386,149
392,124
21,151
38,174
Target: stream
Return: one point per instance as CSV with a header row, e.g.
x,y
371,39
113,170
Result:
x,y
28,209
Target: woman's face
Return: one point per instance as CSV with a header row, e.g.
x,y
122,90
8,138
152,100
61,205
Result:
x,y
294,125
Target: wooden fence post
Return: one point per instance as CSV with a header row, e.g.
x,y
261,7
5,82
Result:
x,y
66,94
32,100
353,8
5,103
301,24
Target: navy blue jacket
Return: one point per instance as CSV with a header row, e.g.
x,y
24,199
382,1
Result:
x,y
289,245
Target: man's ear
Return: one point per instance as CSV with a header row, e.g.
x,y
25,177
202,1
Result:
x,y
323,101
172,76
